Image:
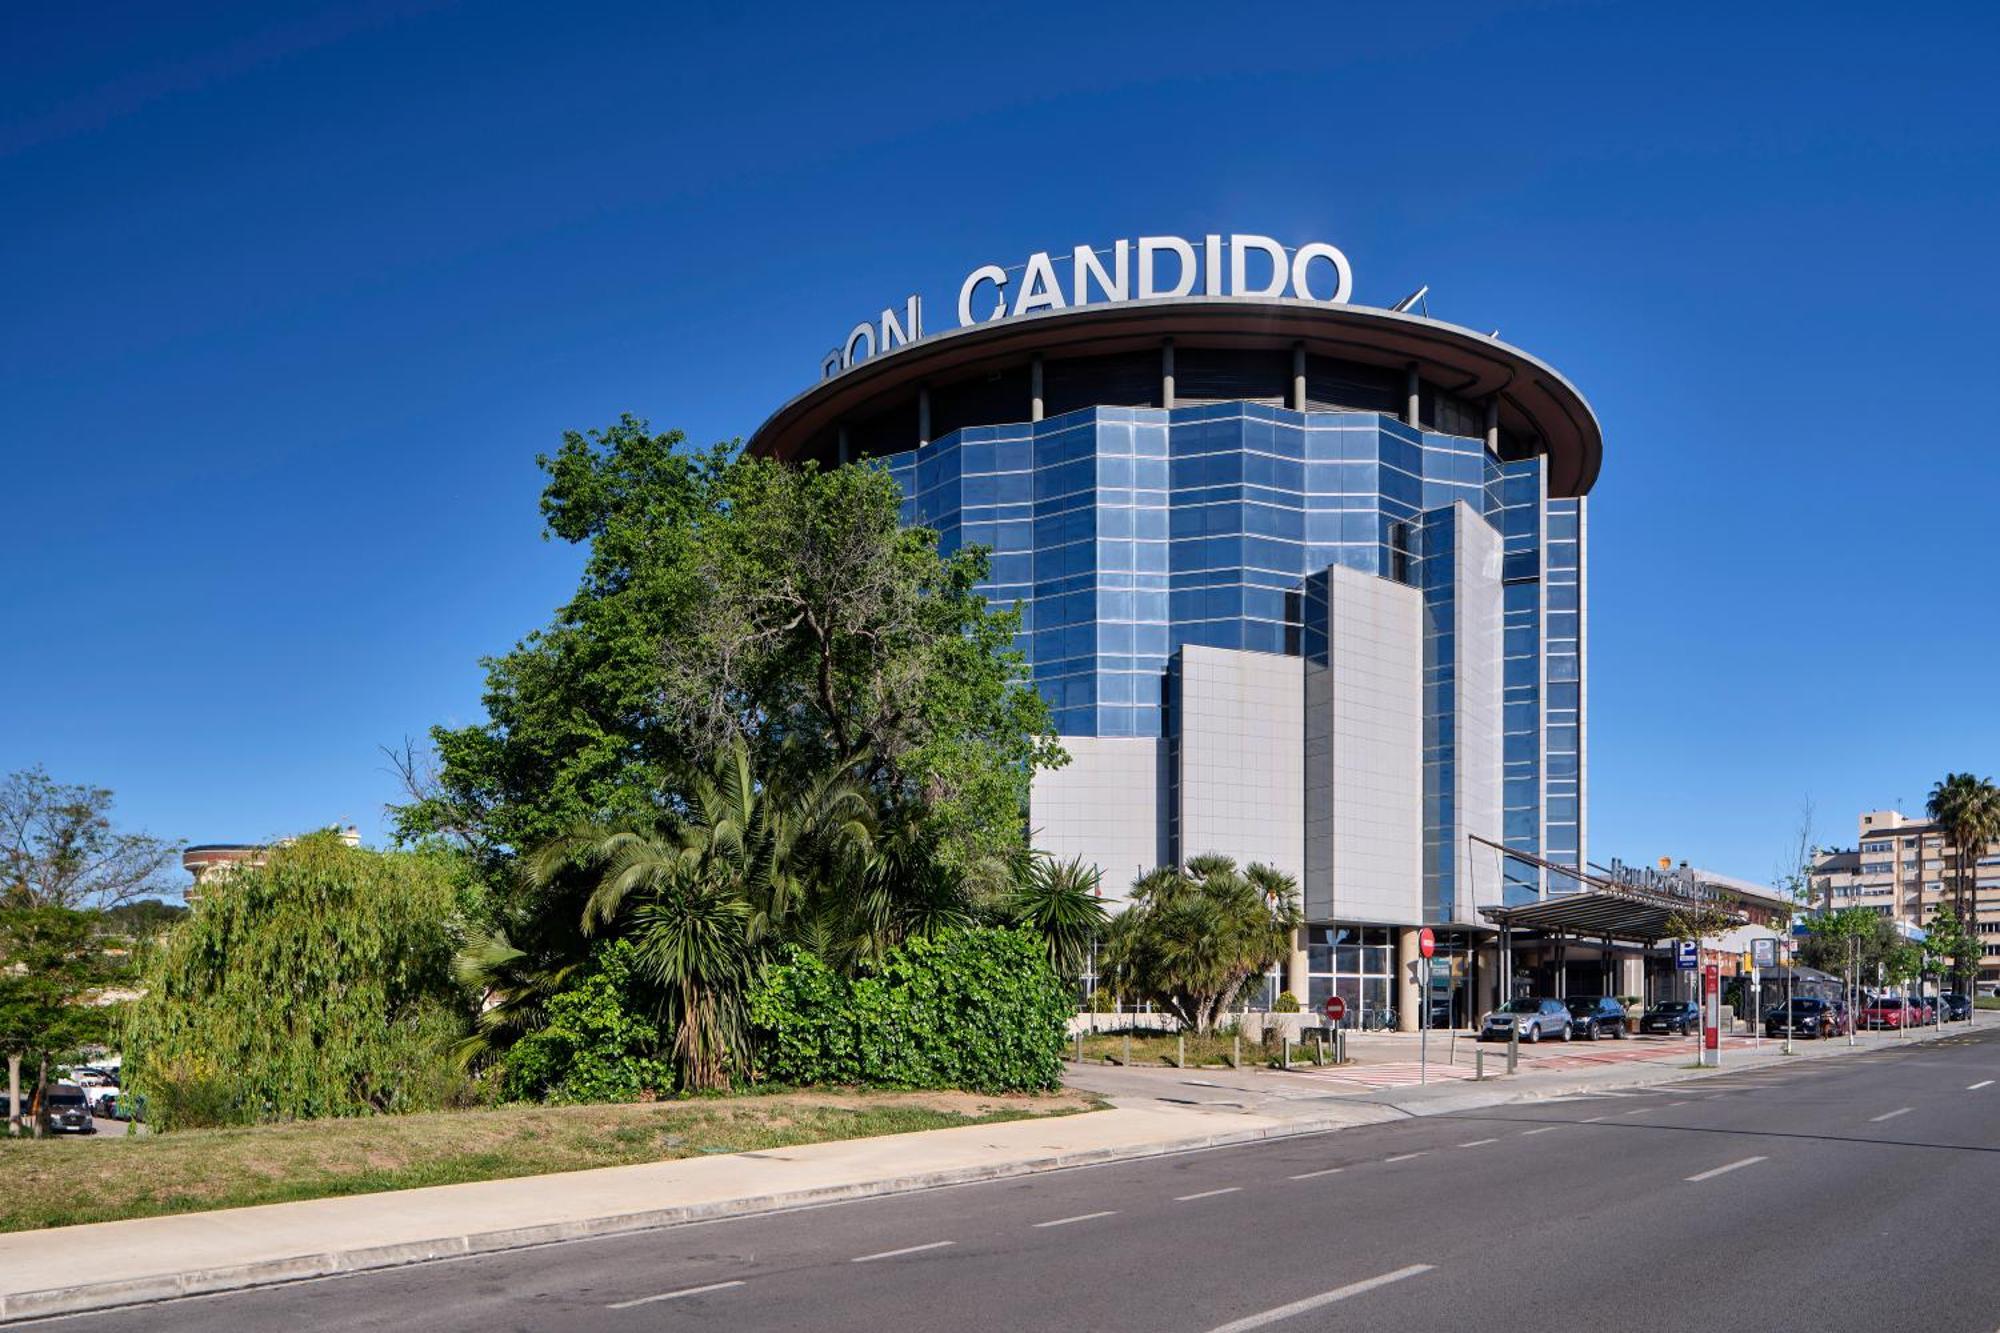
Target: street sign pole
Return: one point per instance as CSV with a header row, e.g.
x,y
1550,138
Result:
x,y
1426,946
1711,1016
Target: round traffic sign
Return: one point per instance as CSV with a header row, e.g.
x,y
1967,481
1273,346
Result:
x,y
1336,1008
1427,942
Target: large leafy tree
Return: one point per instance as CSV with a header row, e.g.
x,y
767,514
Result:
x,y
318,984
59,848
1194,934
724,597
55,964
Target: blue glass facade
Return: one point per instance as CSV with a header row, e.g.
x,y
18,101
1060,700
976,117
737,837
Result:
x,y
1125,533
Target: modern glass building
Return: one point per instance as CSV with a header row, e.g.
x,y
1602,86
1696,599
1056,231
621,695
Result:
x,y
1303,583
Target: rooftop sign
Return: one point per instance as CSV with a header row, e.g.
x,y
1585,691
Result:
x,y
1152,266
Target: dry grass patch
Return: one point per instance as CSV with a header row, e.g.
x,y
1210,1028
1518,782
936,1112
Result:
x,y
66,1181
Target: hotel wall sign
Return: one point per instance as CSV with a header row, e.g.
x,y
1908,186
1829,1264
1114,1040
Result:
x,y
1142,270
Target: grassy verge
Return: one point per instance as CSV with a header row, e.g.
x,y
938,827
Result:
x,y
1164,1048
64,1181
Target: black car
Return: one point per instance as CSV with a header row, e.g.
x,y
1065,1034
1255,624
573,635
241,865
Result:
x,y
1957,1008
1807,1017
1591,1016
66,1111
1675,1017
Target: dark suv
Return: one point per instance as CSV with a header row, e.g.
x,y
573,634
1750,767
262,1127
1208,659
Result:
x,y
1591,1016
1808,1017
1678,1017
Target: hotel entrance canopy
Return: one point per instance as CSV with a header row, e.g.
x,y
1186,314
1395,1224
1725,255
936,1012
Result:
x,y
1602,907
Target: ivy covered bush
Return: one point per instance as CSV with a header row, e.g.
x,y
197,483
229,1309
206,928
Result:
x,y
979,1009
602,1041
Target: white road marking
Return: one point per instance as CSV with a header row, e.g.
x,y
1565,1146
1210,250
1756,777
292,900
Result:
x,y
911,1249
1315,1302
1594,1119
1890,1115
1403,1157
674,1295
1724,1170
1983,1083
1543,1130
1676,1103
1638,1110
1315,1175
1080,1217
1478,1143
1206,1194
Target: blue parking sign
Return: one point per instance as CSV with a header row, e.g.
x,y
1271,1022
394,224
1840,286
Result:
x,y
1687,955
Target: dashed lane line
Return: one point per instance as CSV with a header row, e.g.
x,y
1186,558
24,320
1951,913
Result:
x,y
674,1295
1724,1170
1080,1217
1889,1115
1315,1175
908,1249
1206,1194
1545,1129
1478,1143
1325,1298
1403,1157
1983,1083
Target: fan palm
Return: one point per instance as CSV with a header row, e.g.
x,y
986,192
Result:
x,y
1059,902
1967,809
1194,934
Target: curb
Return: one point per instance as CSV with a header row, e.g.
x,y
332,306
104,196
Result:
x,y
89,1296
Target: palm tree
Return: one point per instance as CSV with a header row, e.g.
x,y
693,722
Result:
x,y
703,890
1967,809
1059,901
1194,934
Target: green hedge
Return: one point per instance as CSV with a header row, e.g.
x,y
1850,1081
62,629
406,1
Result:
x,y
599,1044
978,1009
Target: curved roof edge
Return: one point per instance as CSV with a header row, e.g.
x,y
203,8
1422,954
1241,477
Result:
x,y
1535,398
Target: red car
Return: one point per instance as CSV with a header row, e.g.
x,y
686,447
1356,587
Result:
x,y
1887,1012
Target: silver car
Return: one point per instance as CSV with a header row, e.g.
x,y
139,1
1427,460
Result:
x,y
1530,1019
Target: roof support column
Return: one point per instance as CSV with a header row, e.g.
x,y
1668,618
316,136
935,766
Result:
x,y
1493,425
1298,377
1167,373
1035,389
841,455
1416,395
923,415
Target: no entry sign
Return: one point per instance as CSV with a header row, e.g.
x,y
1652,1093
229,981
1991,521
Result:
x,y
1427,942
1336,1008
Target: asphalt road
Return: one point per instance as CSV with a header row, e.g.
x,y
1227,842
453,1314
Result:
x,y
1835,1194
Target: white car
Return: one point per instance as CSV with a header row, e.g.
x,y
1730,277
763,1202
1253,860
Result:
x,y
100,1089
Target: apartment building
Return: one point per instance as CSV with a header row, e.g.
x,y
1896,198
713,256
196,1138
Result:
x,y
1904,868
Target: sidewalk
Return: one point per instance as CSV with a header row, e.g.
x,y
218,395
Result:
x,y
1154,1111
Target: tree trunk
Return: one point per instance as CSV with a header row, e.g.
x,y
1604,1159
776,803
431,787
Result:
x,y
41,1092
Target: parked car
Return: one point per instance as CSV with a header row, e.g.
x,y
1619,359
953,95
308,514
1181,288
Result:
x,y
100,1089
1885,1011
65,1110
1678,1017
1530,1019
1592,1016
1808,1017
1922,1010
1957,1008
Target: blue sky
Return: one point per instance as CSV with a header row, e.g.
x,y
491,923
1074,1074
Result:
x,y
294,295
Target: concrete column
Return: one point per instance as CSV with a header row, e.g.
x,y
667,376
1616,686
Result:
x,y
1493,425
1035,389
1297,979
923,415
1167,373
1416,396
1408,994
842,455
1298,377
1632,977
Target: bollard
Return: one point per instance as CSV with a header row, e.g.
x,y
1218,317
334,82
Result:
x,y
1513,1048
1479,1065
1180,1051
1079,1046
1128,1050
1285,1052
1236,1052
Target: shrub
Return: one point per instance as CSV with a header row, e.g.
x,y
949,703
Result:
x,y
1286,1003
598,1045
979,1009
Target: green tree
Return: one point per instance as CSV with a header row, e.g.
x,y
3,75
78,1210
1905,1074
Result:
x,y
1950,948
58,847
54,966
318,984
728,597
1059,903
1967,808
1194,934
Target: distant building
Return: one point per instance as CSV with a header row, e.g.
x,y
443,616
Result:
x,y
1904,868
212,863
